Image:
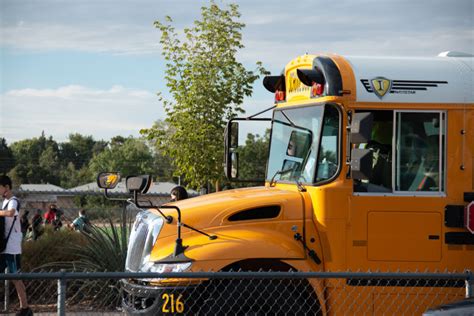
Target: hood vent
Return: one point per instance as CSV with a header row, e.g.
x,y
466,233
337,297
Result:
x,y
256,213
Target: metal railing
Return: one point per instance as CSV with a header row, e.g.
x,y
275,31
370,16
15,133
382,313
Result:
x,y
258,293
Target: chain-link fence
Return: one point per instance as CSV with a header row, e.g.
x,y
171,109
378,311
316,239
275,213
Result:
x,y
59,274
51,245
69,202
240,293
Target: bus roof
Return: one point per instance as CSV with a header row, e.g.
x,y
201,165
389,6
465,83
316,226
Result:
x,y
415,80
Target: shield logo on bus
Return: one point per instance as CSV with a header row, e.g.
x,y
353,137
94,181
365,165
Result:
x,y
381,86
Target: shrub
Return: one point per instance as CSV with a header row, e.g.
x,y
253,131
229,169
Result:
x,y
52,246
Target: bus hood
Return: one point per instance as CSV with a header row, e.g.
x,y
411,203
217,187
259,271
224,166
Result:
x,y
215,209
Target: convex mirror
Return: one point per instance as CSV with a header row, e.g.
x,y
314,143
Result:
x,y
139,184
108,180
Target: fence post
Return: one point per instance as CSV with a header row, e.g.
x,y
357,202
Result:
x,y
469,284
62,295
7,294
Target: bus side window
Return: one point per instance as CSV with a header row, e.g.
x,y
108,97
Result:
x,y
419,140
381,147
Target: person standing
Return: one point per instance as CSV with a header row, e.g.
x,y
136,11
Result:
x,y
11,255
36,224
50,214
57,223
25,223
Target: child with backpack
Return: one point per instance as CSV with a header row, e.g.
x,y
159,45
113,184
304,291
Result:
x,y
10,240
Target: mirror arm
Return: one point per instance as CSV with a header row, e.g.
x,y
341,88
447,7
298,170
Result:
x,y
179,248
349,144
108,197
169,218
211,237
261,112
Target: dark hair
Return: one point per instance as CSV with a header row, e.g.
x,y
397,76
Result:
x,y
5,180
179,192
82,212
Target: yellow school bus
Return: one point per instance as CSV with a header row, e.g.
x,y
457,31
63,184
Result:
x,y
370,168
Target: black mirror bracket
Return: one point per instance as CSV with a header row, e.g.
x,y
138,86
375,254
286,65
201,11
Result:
x,y
179,248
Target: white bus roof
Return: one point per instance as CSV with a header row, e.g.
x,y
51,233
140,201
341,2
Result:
x,y
441,79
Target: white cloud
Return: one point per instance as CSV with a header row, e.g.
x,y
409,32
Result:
x,y
77,109
115,39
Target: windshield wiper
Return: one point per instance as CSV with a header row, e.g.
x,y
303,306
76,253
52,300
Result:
x,y
279,172
300,186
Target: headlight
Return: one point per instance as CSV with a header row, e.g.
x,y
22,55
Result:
x,y
169,267
163,268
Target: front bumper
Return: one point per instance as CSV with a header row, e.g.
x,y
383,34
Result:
x,y
139,299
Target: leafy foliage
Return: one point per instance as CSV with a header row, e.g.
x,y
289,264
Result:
x,y
253,156
127,155
7,161
52,246
78,160
37,161
207,85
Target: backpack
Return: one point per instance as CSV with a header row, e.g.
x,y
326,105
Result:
x,y
3,239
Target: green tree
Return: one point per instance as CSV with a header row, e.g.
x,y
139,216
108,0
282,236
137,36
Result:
x,y
37,161
253,156
7,161
130,157
79,150
75,155
207,85
163,163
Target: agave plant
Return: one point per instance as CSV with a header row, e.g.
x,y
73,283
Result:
x,y
104,249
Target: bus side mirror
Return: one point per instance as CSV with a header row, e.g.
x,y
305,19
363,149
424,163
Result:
x,y
139,184
234,135
108,180
361,127
361,164
234,165
231,144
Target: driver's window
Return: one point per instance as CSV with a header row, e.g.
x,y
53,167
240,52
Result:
x,y
328,158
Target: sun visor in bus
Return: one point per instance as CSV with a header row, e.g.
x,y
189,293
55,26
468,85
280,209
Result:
x,y
361,164
361,127
310,76
274,83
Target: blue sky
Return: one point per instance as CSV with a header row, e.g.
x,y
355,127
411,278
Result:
x,y
94,66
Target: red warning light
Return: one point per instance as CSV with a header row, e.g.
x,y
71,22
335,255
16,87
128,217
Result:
x,y
279,96
316,89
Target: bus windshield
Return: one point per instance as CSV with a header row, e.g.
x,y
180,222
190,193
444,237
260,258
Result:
x,y
294,143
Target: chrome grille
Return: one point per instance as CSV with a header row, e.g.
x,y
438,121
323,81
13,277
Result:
x,y
144,234
136,244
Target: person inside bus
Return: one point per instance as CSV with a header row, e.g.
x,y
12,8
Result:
x,y
178,193
380,145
